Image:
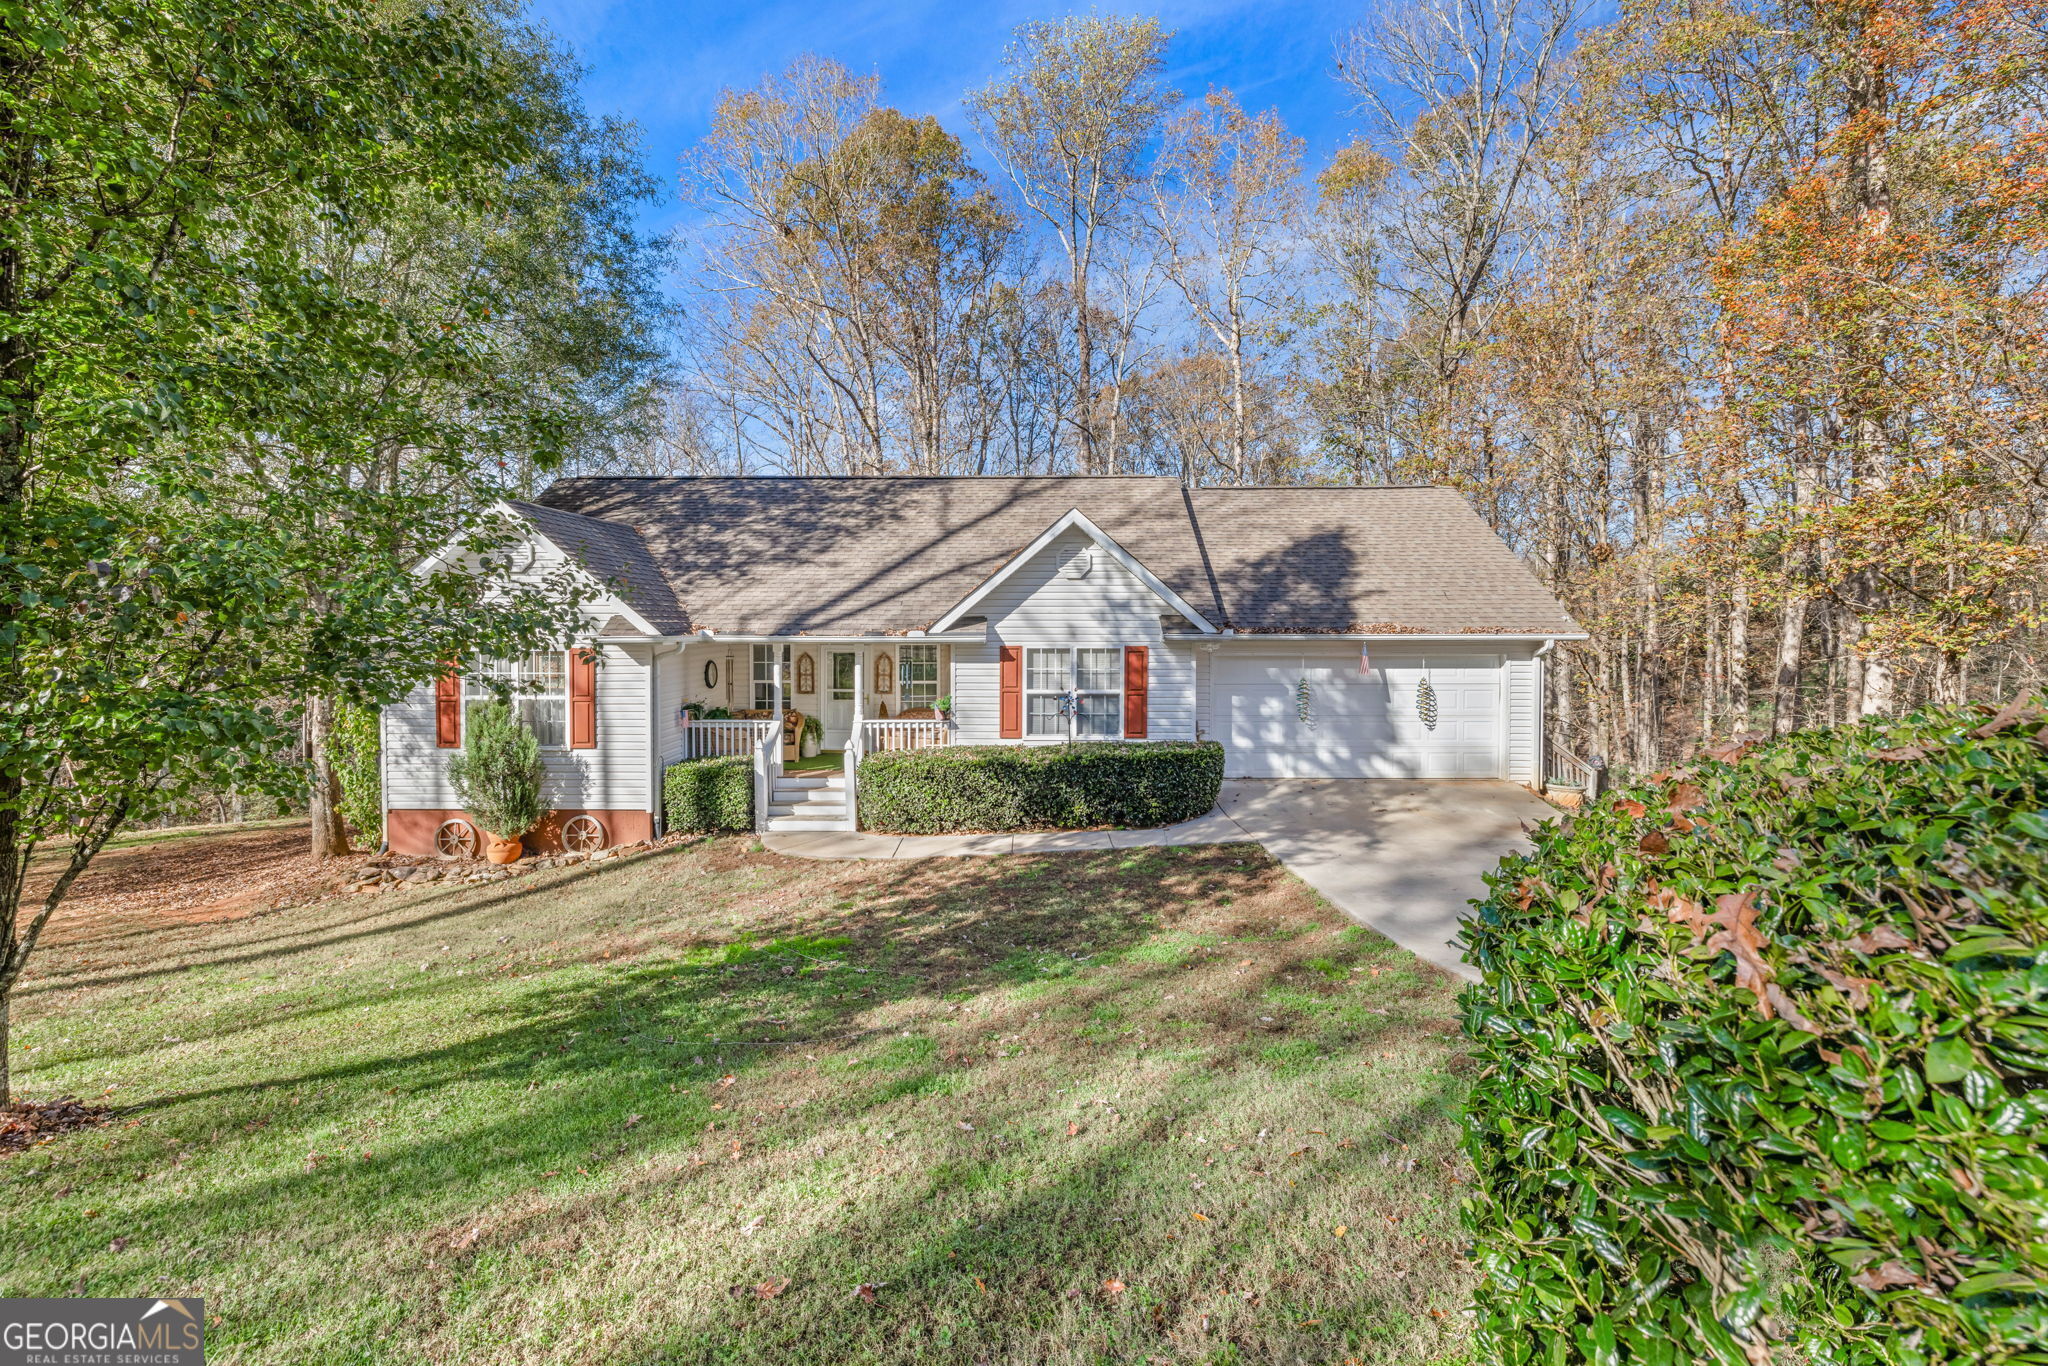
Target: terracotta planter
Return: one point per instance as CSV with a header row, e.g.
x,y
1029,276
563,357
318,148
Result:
x,y
503,851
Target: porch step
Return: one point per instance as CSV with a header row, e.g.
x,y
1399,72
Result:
x,y
807,810
810,780
794,825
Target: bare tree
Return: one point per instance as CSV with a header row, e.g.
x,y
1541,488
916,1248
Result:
x,y
1227,209
1462,93
1068,122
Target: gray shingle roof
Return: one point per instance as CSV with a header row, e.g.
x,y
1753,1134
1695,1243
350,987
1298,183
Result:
x,y
854,556
615,554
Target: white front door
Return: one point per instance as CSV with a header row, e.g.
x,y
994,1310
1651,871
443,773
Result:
x,y
1357,725
838,718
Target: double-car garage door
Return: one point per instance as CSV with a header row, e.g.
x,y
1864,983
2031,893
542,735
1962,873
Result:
x,y
1348,723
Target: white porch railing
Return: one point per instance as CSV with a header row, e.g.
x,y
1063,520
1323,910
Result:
x,y
884,737
716,739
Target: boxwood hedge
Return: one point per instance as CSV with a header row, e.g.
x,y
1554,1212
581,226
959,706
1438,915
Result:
x,y
701,795
1764,1040
1043,787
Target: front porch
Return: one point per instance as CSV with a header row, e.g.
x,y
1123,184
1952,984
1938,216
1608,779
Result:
x,y
806,712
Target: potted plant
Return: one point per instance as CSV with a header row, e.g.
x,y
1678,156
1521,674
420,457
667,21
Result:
x,y
945,707
497,778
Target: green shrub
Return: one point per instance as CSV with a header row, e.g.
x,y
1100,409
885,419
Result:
x,y
497,773
352,746
1047,787
1763,1040
702,795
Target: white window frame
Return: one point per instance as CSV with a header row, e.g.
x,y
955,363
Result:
x,y
1072,677
763,677
911,691
520,681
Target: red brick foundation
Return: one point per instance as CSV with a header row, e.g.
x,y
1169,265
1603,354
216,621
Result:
x,y
411,831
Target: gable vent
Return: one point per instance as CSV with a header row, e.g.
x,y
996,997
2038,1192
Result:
x,y
1076,563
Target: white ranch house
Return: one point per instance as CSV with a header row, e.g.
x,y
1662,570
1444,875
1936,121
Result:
x,y
1337,632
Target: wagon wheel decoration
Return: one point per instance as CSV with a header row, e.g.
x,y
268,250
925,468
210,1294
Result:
x,y
583,835
1425,703
455,839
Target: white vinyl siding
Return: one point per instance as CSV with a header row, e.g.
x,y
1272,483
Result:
x,y
1109,608
1519,684
613,776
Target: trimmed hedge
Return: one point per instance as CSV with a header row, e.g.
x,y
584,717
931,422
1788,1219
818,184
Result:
x,y
1042,787
701,795
1762,1043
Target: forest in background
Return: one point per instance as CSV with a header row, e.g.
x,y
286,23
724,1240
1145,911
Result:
x,y
1727,316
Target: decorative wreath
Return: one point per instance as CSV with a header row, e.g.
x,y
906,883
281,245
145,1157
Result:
x,y
710,673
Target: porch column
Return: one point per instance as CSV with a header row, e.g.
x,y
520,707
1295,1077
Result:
x,y
860,687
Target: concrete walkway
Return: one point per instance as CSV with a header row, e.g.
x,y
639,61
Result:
x,y
1402,857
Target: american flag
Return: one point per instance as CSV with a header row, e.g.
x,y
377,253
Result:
x,y
1365,658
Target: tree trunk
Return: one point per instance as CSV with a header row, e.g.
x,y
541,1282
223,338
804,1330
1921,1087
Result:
x,y
1737,664
6,1050
1791,642
330,835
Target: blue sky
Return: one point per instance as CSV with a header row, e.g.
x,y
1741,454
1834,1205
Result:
x,y
663,65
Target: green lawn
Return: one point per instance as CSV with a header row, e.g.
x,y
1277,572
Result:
x,y
1147,1106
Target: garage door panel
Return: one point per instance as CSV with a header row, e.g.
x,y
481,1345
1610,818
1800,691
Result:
x,y
1360,726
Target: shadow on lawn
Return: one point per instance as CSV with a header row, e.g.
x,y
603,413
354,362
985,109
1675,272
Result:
x,y
620,1065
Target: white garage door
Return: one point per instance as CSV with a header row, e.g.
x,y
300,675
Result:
x,y
1358,725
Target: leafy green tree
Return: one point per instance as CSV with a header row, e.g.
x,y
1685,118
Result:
x,y
181,545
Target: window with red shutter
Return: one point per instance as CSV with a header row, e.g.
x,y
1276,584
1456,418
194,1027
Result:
x,y
1010,711
448,709
1137,670
582,699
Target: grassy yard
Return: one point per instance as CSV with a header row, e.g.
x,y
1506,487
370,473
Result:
x,y
713,1105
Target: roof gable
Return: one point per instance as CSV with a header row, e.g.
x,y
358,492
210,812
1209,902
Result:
x,y
1075,521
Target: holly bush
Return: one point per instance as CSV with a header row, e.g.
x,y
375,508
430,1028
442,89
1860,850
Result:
x,y
1764,1040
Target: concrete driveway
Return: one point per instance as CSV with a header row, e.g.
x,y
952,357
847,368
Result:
x,y
1401,857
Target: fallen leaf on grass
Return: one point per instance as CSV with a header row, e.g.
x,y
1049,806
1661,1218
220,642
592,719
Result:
x,y
467,1239
1340,1230
1201,1216
1112,1286
1072,1128
632,1120
1654,843
772,1287
865,1291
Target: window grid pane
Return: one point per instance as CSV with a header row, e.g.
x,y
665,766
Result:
x,y
1101,671
1046,670
1043,716
1099,714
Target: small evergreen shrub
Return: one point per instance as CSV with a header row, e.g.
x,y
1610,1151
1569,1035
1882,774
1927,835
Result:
x,y
1046,787
497,772
1763,1043
702,795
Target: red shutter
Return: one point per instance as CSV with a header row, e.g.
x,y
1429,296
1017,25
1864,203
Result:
x,y
1137,665
1011,711
448,709
582,699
